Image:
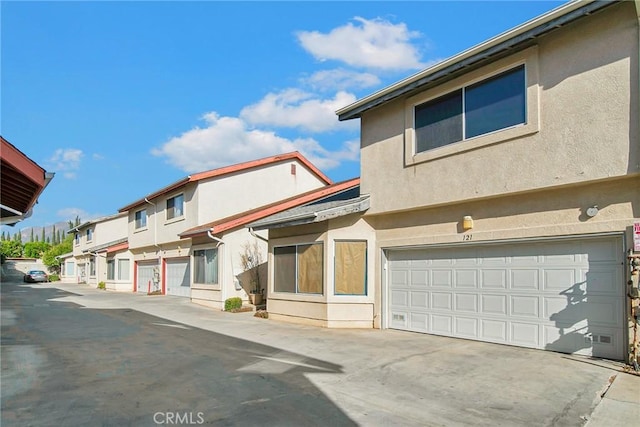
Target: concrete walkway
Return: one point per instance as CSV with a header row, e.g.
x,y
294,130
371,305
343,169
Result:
x,y
391,378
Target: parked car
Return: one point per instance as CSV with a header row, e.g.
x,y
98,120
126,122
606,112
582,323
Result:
x,y
33,276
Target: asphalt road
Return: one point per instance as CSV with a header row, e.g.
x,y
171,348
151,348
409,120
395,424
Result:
x,y
65,365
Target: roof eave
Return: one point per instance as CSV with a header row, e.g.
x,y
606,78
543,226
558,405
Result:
x,y
518,37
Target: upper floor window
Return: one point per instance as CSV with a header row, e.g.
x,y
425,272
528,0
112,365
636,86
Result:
x,y
89,234
76,238
478,109
141,219
175,206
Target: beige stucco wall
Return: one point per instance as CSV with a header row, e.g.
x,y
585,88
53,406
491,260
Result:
x,y
587,89
229,267
327,309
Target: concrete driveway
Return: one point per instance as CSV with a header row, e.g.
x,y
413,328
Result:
x,y
395,378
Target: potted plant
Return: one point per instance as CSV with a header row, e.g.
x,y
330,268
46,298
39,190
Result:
x,y
251,259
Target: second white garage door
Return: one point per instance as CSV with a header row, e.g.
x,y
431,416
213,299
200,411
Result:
x,y
565,296
178,277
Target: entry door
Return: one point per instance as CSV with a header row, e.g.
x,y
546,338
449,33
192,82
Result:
x,y
565,296
178,277
145,281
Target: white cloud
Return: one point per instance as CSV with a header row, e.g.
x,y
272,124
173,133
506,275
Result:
x,y
67,161
340,79
228,140
71,213
374,43
294,108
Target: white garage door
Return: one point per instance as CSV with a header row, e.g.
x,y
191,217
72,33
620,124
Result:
x,y
145,276
178,277
566,296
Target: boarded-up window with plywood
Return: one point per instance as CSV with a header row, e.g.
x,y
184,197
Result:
x,y
351,268
299,269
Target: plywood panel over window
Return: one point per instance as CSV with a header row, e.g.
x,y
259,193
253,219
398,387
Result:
x,y
299,269
350,268
310,269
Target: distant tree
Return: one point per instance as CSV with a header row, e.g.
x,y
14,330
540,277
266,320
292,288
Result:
x,y
31,237
35,249
49,257
37,239
53,235
18,237
2,238
11,248
43,237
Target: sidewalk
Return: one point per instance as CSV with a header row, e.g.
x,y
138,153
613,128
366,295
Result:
x,y
393,377
620,406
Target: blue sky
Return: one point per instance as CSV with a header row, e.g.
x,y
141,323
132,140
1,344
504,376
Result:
x,y
120,99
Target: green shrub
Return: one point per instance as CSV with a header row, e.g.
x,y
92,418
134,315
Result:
x,y
232,303
102,285
54,278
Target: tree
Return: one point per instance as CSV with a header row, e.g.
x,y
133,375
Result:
x,y
35,249
53,235
11,248
31,237
49,257
2,238
44,237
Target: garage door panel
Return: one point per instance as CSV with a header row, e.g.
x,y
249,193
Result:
x,y
599,279
178,277
441,301
525,279
467,302
493,330
399,298
494,304
441,278
419,322
559,279
525,306
525,334
494,279
466,279
466,327
419,299
419,278
547,295
441,324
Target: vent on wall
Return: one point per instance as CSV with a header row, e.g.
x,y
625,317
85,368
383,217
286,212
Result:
x,y
600,339
398,317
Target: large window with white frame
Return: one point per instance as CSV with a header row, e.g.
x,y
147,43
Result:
x,y
123,269
89,234
140,218
299,268
493,104
175,206
111,269
205,266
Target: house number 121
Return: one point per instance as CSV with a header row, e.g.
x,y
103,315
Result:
x,y
466,237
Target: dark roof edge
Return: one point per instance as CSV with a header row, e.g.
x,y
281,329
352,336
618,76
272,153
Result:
x,y
521,39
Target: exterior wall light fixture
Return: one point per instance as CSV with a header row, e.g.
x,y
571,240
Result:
x,y
467,222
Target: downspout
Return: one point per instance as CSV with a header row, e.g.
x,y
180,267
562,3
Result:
x,y
256,235
155,242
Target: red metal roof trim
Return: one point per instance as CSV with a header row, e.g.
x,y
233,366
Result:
x,y
19,167
226,170
247,217
118,247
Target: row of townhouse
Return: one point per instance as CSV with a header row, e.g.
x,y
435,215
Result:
x,y
498,201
